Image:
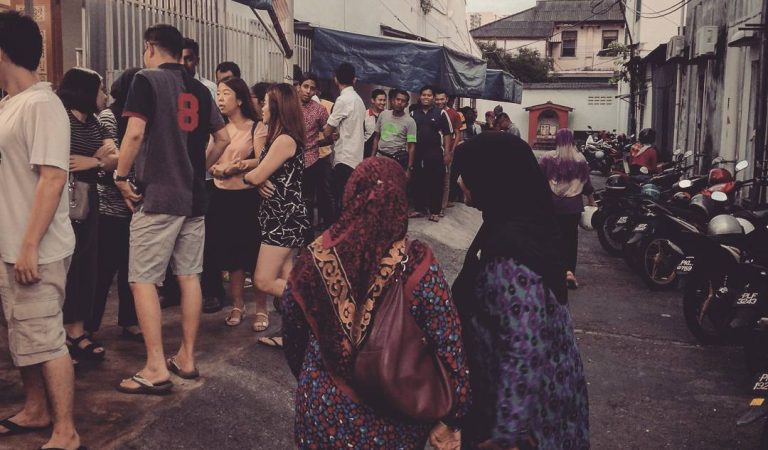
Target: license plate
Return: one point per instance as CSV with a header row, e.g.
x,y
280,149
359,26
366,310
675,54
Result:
x,y
641,227
761,384
747,298
622,220
685,266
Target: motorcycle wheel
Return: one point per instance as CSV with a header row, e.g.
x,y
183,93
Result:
x,y
657,263
603,224
705,318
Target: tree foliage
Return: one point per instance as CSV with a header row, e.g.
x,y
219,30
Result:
x,y
526,64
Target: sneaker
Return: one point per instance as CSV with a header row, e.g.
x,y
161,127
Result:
x,y
212,305
248,283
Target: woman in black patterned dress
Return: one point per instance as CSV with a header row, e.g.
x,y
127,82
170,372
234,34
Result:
x,y
283,215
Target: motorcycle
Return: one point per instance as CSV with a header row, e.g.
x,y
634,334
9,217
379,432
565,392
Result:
x,y
620,204
727,275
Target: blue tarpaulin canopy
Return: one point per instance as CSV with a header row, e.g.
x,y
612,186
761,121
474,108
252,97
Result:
x,y
398,63
501,86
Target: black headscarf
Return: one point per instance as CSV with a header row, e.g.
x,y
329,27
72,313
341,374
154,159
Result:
x,y
507,185
119,92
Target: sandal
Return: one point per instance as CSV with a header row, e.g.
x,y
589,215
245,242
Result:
x,y
570,280
434,218
415,215
173,366
85,353
16,429
272,341
232,321
135,337
146,387
261,325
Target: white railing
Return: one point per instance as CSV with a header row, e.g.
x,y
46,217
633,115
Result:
x,y
222,35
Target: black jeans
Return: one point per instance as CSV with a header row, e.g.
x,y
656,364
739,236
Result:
x,y
341,174
428,179
81,279
318,191
568,224
114,235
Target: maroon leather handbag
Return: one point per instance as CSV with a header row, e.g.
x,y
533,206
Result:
x,y
396,371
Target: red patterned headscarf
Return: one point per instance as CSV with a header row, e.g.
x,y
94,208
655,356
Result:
x,y
338,281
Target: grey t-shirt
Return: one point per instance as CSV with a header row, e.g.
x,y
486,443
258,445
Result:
x,y
395,132
34,132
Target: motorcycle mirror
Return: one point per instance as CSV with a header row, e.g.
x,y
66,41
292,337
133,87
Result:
x,y
644,170
741,165
589,126
717,160
688,154
685,184
719,196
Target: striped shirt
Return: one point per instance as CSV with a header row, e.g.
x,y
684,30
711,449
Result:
x,y
86,138
111,201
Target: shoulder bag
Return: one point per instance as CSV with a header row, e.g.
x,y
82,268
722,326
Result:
x,y
396,370
79,205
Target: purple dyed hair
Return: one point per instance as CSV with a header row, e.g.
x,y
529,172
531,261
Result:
x,y
564,137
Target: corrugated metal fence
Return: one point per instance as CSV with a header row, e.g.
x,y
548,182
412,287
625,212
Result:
x,y
222,35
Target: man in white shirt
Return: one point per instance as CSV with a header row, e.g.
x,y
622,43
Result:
x,y
36,237
346,122
378,105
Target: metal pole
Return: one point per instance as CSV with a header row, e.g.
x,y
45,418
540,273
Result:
x,y
761,134
29,8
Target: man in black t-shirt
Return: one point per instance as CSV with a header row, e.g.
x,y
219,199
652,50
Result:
x,y
170,119
434,136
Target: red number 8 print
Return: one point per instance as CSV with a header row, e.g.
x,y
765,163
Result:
x,y
189,107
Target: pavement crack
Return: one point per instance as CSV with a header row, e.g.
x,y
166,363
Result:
x,y
638,338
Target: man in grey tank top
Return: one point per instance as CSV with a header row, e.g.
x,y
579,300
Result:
x,y
170,119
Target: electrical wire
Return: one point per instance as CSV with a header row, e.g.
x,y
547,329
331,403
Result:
x,y
659,14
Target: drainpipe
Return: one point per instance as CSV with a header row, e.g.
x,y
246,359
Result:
x,y
679,83
761,161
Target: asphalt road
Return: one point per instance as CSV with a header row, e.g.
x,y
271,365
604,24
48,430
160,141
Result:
x,y
650,385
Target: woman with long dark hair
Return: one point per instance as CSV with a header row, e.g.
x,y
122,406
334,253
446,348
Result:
x,y
332,304
283,216
527,377
114,225
92,150
234,208
567,171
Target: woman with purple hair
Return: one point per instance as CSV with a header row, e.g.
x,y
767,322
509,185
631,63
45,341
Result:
x,y
568,174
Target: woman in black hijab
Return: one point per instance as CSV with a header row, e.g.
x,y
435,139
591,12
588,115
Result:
x,y
526,374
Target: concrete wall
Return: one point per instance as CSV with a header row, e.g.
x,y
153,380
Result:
x,y
651,32
589,40
445,24
583,114
717,112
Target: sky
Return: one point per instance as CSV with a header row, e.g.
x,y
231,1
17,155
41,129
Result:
x,y
499,6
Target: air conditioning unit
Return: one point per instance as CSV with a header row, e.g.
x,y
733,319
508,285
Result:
x,y
706,42
676,48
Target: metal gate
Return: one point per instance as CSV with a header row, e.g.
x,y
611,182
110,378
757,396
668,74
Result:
x,y
114,29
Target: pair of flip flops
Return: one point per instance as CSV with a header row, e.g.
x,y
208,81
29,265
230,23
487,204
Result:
x,y
146,387
82,447
174,367
16,429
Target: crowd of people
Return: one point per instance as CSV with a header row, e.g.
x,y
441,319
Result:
x,y
181,181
